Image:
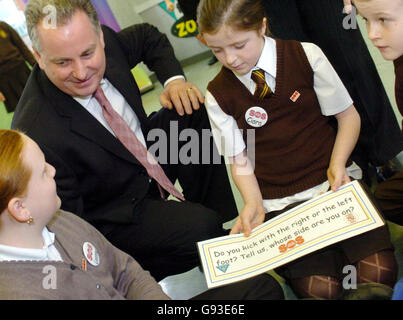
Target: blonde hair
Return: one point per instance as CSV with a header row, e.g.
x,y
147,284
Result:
x,y
37,11
14,173
246,15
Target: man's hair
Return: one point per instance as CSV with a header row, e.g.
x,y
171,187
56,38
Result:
x,y
55,13
244,15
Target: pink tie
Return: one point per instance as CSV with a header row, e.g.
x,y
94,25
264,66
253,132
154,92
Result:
x,y
127,137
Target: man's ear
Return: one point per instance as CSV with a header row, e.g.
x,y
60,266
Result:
x,y
39,59
17,209
101,37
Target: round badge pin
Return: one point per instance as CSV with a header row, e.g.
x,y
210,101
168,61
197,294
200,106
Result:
x,y
256,117
91,253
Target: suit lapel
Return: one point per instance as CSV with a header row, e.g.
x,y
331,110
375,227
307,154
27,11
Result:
x,y
84,124
124,81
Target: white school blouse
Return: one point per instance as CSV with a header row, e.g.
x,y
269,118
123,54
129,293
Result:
x,y
47,253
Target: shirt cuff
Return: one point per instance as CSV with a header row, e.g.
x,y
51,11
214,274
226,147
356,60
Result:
x,y
173,78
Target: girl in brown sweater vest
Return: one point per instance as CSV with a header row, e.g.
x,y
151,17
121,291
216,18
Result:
x,y
283,90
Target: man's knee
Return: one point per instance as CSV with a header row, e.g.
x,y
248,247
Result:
x,y
207,223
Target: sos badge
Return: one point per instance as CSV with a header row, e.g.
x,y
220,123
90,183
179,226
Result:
x,y
256,117
91,254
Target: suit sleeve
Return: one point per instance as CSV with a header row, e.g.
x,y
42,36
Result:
x,y
144,43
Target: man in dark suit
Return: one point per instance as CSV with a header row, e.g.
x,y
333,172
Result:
x,y
97,177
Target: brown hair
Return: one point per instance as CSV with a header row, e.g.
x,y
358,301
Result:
x,y
244,15
14,174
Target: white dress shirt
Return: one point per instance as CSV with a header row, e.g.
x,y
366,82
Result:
x,y
118,103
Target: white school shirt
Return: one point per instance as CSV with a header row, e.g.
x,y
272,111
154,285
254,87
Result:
x,y
48,252
332,96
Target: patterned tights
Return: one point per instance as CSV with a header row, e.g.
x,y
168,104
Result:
x,y
380,267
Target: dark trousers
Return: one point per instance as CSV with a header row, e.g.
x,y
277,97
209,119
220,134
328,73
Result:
x,y
262,287
163,235
389,195
321,22
195,162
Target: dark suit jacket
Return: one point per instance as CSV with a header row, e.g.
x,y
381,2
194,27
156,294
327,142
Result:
x,y
96,177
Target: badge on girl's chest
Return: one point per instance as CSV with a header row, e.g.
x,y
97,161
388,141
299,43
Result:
x,y
256,117
3,34
91,253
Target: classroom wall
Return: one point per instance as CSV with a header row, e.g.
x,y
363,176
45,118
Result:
x,y
128,12
124,12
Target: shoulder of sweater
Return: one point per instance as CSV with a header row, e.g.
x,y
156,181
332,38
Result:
x,y
67,224
216,85
223,74
65,218
398,62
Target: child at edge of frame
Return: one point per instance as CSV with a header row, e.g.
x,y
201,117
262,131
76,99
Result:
x,y
384,21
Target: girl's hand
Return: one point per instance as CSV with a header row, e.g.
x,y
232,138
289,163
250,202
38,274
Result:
x,y
250,217
2,97
337,176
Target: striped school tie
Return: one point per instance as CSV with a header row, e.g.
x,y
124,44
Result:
x,y
127,137
262,88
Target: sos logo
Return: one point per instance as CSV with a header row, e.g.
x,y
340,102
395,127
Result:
x,y
256,117
257,114
291,244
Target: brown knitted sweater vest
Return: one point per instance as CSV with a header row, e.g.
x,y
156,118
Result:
x,y
293,148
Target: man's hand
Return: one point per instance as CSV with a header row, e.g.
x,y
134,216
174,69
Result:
x,y
2,97
182,95
347,6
